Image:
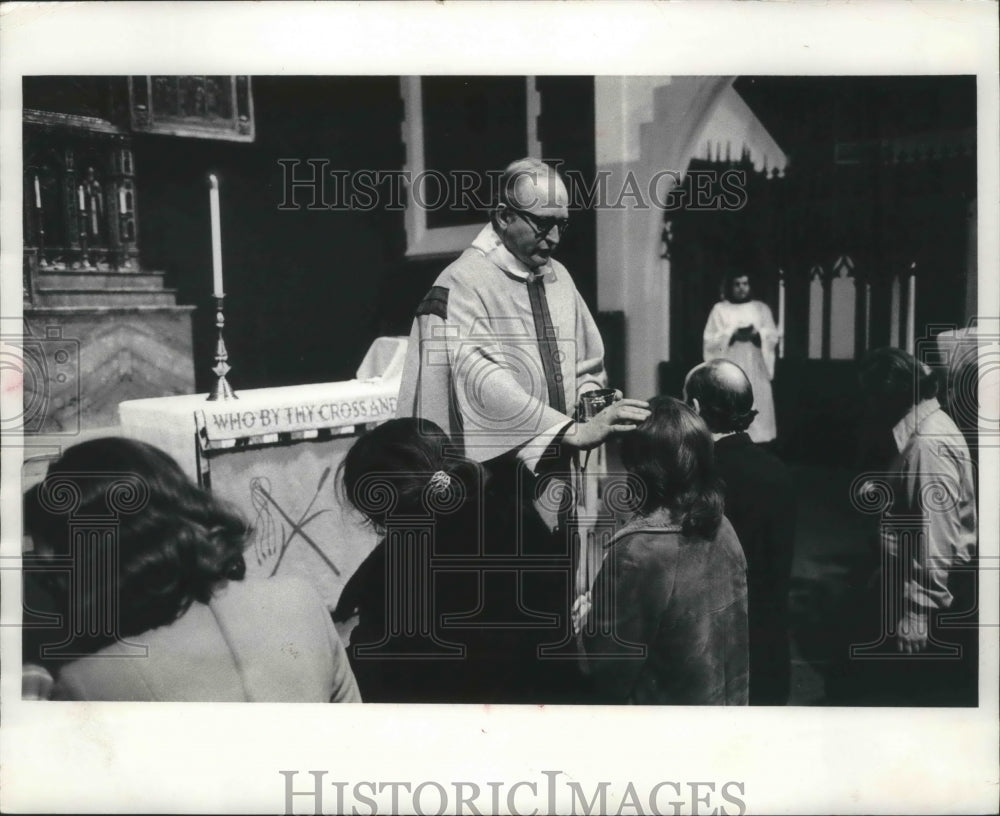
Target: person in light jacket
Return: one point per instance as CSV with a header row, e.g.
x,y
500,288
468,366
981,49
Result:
x,y
146,571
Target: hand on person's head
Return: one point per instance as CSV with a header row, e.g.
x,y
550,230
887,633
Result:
x,y
620,417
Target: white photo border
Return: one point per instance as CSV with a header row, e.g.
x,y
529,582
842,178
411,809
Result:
x,y
202,758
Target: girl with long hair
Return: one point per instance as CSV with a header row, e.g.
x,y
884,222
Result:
x,y
443,612
668,624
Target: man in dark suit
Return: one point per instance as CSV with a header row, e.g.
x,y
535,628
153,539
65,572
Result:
x,y
760,503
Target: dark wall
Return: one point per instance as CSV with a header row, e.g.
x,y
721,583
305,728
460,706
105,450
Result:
x,y
307,291
302,285
566,131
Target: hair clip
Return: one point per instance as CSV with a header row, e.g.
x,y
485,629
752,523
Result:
x,y
440,483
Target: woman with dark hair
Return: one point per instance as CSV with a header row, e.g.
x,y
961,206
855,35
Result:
x,y
668,623
742,330
462,632
154,576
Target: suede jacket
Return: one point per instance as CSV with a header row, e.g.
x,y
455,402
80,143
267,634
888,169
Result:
x,y
668,624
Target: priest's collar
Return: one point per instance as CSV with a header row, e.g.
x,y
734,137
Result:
x,y
491,245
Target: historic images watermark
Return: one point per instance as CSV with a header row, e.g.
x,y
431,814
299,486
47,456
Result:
x,y
311,184
84,567
496,370
905,558
417,627
967,362
925,502
42,367
526,797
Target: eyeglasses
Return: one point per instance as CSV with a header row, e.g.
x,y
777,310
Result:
x,y
541,225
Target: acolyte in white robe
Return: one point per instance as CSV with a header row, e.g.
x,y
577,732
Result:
x,y
758,363
473,364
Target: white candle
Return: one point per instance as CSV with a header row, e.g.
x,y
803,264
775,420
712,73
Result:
x,y
895,313
911,309
781,314
38,194
868,315
213,198
121,200
79,198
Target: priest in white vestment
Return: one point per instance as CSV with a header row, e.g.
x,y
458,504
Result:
x,y
503,345
742,330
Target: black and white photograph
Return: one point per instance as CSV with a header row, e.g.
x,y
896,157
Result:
x,y
488,395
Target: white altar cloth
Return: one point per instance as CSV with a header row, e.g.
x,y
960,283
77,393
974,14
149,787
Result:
x,y
274,454
258,416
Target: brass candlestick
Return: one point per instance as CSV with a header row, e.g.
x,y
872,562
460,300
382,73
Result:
x,y
222,389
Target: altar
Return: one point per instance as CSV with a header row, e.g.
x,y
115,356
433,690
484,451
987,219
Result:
x,y
274,454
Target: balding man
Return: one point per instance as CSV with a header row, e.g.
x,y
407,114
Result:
x,y
741,330
760,503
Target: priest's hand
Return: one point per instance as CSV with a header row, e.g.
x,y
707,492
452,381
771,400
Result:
x,y
911,632
578,613
621,417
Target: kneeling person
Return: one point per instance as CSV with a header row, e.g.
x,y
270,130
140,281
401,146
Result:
x,y
669,618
